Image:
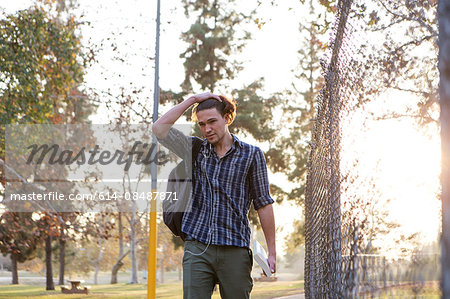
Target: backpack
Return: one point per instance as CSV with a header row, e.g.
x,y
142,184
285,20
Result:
x,y
179,183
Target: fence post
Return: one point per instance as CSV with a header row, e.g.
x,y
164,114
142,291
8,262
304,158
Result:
x,y
444,92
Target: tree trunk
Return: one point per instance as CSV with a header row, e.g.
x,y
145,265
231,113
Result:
x,y
97,262
162,271
48,264
114,271
15,274
119,262
96,273
133,255
444,92
62,257
117,267
120,234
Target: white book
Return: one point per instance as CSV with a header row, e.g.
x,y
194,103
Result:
x,y
260,256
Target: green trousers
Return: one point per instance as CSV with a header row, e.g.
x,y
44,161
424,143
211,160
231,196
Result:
x,y
229,266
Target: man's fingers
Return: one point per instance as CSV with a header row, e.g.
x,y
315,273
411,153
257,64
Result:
x,y
207,95
214,96
272,265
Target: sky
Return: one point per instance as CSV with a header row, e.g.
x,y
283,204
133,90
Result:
x,y
404,159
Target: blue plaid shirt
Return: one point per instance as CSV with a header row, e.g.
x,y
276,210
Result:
x,y
223,190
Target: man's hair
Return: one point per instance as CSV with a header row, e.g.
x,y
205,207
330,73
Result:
x,y
226,107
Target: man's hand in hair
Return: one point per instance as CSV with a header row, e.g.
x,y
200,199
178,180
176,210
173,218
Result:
x,y
198,98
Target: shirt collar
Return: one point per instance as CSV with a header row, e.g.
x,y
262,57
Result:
x,y
235,141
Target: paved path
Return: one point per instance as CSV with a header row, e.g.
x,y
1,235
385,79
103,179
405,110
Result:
x,y
298,296
30,279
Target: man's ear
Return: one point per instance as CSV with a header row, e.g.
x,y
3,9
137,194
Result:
x,y
228,119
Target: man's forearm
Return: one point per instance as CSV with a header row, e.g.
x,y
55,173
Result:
x,y
267,220
162,126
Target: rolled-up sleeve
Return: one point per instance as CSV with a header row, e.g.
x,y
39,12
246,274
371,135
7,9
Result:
x,y
259,181
178,143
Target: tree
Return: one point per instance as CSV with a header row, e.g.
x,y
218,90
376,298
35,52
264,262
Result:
x,y
296,238
304,92
48,50
169,256
406,60
19,237
211,38
49,224
98,230
122,253
291,152
40,89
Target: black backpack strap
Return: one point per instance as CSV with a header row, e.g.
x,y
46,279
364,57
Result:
x,y
196,146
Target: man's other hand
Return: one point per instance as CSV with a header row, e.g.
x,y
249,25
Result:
x,y
272,260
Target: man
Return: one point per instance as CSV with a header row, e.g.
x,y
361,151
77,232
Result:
x,y
229,175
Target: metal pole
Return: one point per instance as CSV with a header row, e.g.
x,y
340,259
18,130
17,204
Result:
x,y
444,92
151,282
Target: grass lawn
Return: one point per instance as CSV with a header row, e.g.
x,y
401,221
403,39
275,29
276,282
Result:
x,y
430,290
261,290
171,290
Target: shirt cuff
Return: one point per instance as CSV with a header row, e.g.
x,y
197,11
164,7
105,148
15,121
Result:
x,y
262,201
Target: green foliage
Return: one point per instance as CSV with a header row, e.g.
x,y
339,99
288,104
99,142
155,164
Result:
x,y
19,235
212,38
297,237
255,113
292,150
41,67
41,61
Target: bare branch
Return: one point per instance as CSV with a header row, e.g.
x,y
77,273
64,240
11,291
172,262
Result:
x,y
384,27
417,42
428,119
409,18
421,92
421,22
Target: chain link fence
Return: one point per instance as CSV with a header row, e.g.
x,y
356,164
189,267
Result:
x,y
327,272
340,202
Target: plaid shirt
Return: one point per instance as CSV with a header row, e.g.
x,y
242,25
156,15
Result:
x,y
223,190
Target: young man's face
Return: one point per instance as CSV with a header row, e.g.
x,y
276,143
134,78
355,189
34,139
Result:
x,y
212,124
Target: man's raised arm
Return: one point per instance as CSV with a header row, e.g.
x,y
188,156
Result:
x,y
162,126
